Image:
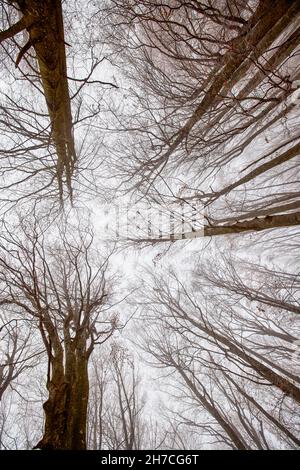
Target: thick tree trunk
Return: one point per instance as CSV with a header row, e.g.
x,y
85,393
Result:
x,y
44,24
66,407
257,224
254,225
78,406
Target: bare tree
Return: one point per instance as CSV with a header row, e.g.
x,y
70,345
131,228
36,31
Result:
x,y
206,116
215,88
20,354
64,288
226,373
39,150
118,418
15,355
44,24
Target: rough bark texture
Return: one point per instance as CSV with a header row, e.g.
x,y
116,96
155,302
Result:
x,y
66,407
68,388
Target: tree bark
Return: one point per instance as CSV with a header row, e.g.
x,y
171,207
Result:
x,y
66,407
254,225
212,230
44,24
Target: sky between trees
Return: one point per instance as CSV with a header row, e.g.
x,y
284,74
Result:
x,y
123,115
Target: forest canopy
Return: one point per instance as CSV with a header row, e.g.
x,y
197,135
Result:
x,y
150,212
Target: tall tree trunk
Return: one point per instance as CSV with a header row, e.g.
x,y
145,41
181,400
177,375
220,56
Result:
x,y
44,24
66,407
254,225
257,224
78,406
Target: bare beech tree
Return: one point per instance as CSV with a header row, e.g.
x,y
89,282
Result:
x,y
205,116
215,88
64,288
271,288
15,351
21,412
117,415
45,148
129,432
223,366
